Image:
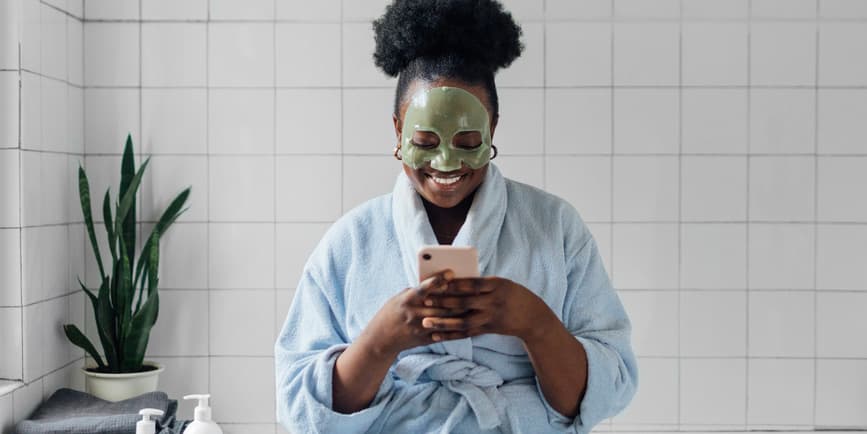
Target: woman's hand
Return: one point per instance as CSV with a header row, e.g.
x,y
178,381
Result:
x,y
492,305
397,326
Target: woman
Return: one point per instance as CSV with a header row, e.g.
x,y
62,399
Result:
x,y
540,344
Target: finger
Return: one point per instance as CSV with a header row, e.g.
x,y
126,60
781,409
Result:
x,y
462,323
465,302
471,285
448,336
436,283
424,312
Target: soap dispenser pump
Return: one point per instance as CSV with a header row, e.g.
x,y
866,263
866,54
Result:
x,y
202,423
147,425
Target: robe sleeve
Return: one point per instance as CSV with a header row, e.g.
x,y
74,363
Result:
x,y
594,315
304,354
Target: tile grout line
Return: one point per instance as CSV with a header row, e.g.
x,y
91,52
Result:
x,y
208,183
747,290
274,297
610,150
680,214
816,219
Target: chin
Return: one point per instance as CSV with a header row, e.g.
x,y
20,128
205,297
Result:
x,y
445,192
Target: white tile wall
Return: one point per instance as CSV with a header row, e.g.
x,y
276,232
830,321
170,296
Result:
x,y
739,252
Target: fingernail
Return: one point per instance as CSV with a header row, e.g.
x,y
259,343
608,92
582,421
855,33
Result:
x,y
436,337
427,323
428,302
449,275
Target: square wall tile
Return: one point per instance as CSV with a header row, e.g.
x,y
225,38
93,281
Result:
x,y
842,9
357,56
520,130
715,53
713,324
111,9
782,188
840,49
363,11
10,185
173,54
55,261
55,350
243,398
842,253
839,318
842,129
379,174
11,334
308,54
578,121
31,188
10,259
646,53
646,120
842,182
75,120
781,256
9,109
111,54
577,54
53,43
714,188
241,255
183,255
30,29
295,242
53,113
529,68
241,54
524,11
299,199
254,309
31,111
33,340
247,10
655,401
782,121
174,121
74,51
783,53
645,188
840,386
183,324
241,189
526,169
585,182
174,9
54,188
297,10
369,131
713,391
109,116
32,249
11,36
241,121
714,121
306,121
166,177
781,392
713,256
182,375
781,324
645,256
654,316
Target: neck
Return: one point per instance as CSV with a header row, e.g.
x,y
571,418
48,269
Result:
x,y
446,222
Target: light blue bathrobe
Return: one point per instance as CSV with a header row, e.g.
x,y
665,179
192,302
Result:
x,y
481,384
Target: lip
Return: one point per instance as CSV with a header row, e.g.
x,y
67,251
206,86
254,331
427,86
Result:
x,y
449,187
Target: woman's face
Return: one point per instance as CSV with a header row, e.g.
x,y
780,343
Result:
x,y
444,188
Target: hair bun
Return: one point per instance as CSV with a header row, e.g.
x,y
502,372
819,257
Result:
x,y
475,31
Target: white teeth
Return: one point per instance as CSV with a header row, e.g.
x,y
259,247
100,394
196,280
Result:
x,y
446,181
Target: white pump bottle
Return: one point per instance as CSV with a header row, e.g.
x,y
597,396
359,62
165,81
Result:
x,y
146,425
202,423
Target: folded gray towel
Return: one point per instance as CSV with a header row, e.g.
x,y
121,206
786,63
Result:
x,y
69,411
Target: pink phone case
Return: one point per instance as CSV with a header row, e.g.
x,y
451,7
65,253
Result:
x,y
463,260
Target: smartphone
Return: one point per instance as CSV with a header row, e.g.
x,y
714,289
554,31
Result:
x,y
462,260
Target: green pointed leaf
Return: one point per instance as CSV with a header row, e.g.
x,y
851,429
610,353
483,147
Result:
x,y
126,207
79,339
127,178
106,323
84,196
168,217
139,332
106,217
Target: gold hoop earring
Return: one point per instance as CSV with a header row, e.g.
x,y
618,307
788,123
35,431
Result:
x,y
397,154
495,151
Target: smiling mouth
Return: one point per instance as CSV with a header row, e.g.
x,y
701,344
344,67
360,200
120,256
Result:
x,y
449,181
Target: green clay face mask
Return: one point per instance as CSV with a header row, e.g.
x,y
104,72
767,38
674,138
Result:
x,y
445,111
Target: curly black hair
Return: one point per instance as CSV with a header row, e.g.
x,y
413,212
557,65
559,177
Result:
x,y
467,40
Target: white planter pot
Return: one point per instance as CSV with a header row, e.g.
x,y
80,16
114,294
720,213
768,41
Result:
x,y
117,387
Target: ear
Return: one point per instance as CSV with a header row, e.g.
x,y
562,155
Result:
x,y
494,124
398,127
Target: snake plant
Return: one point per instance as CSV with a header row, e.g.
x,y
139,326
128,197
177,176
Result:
x,y
126,304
